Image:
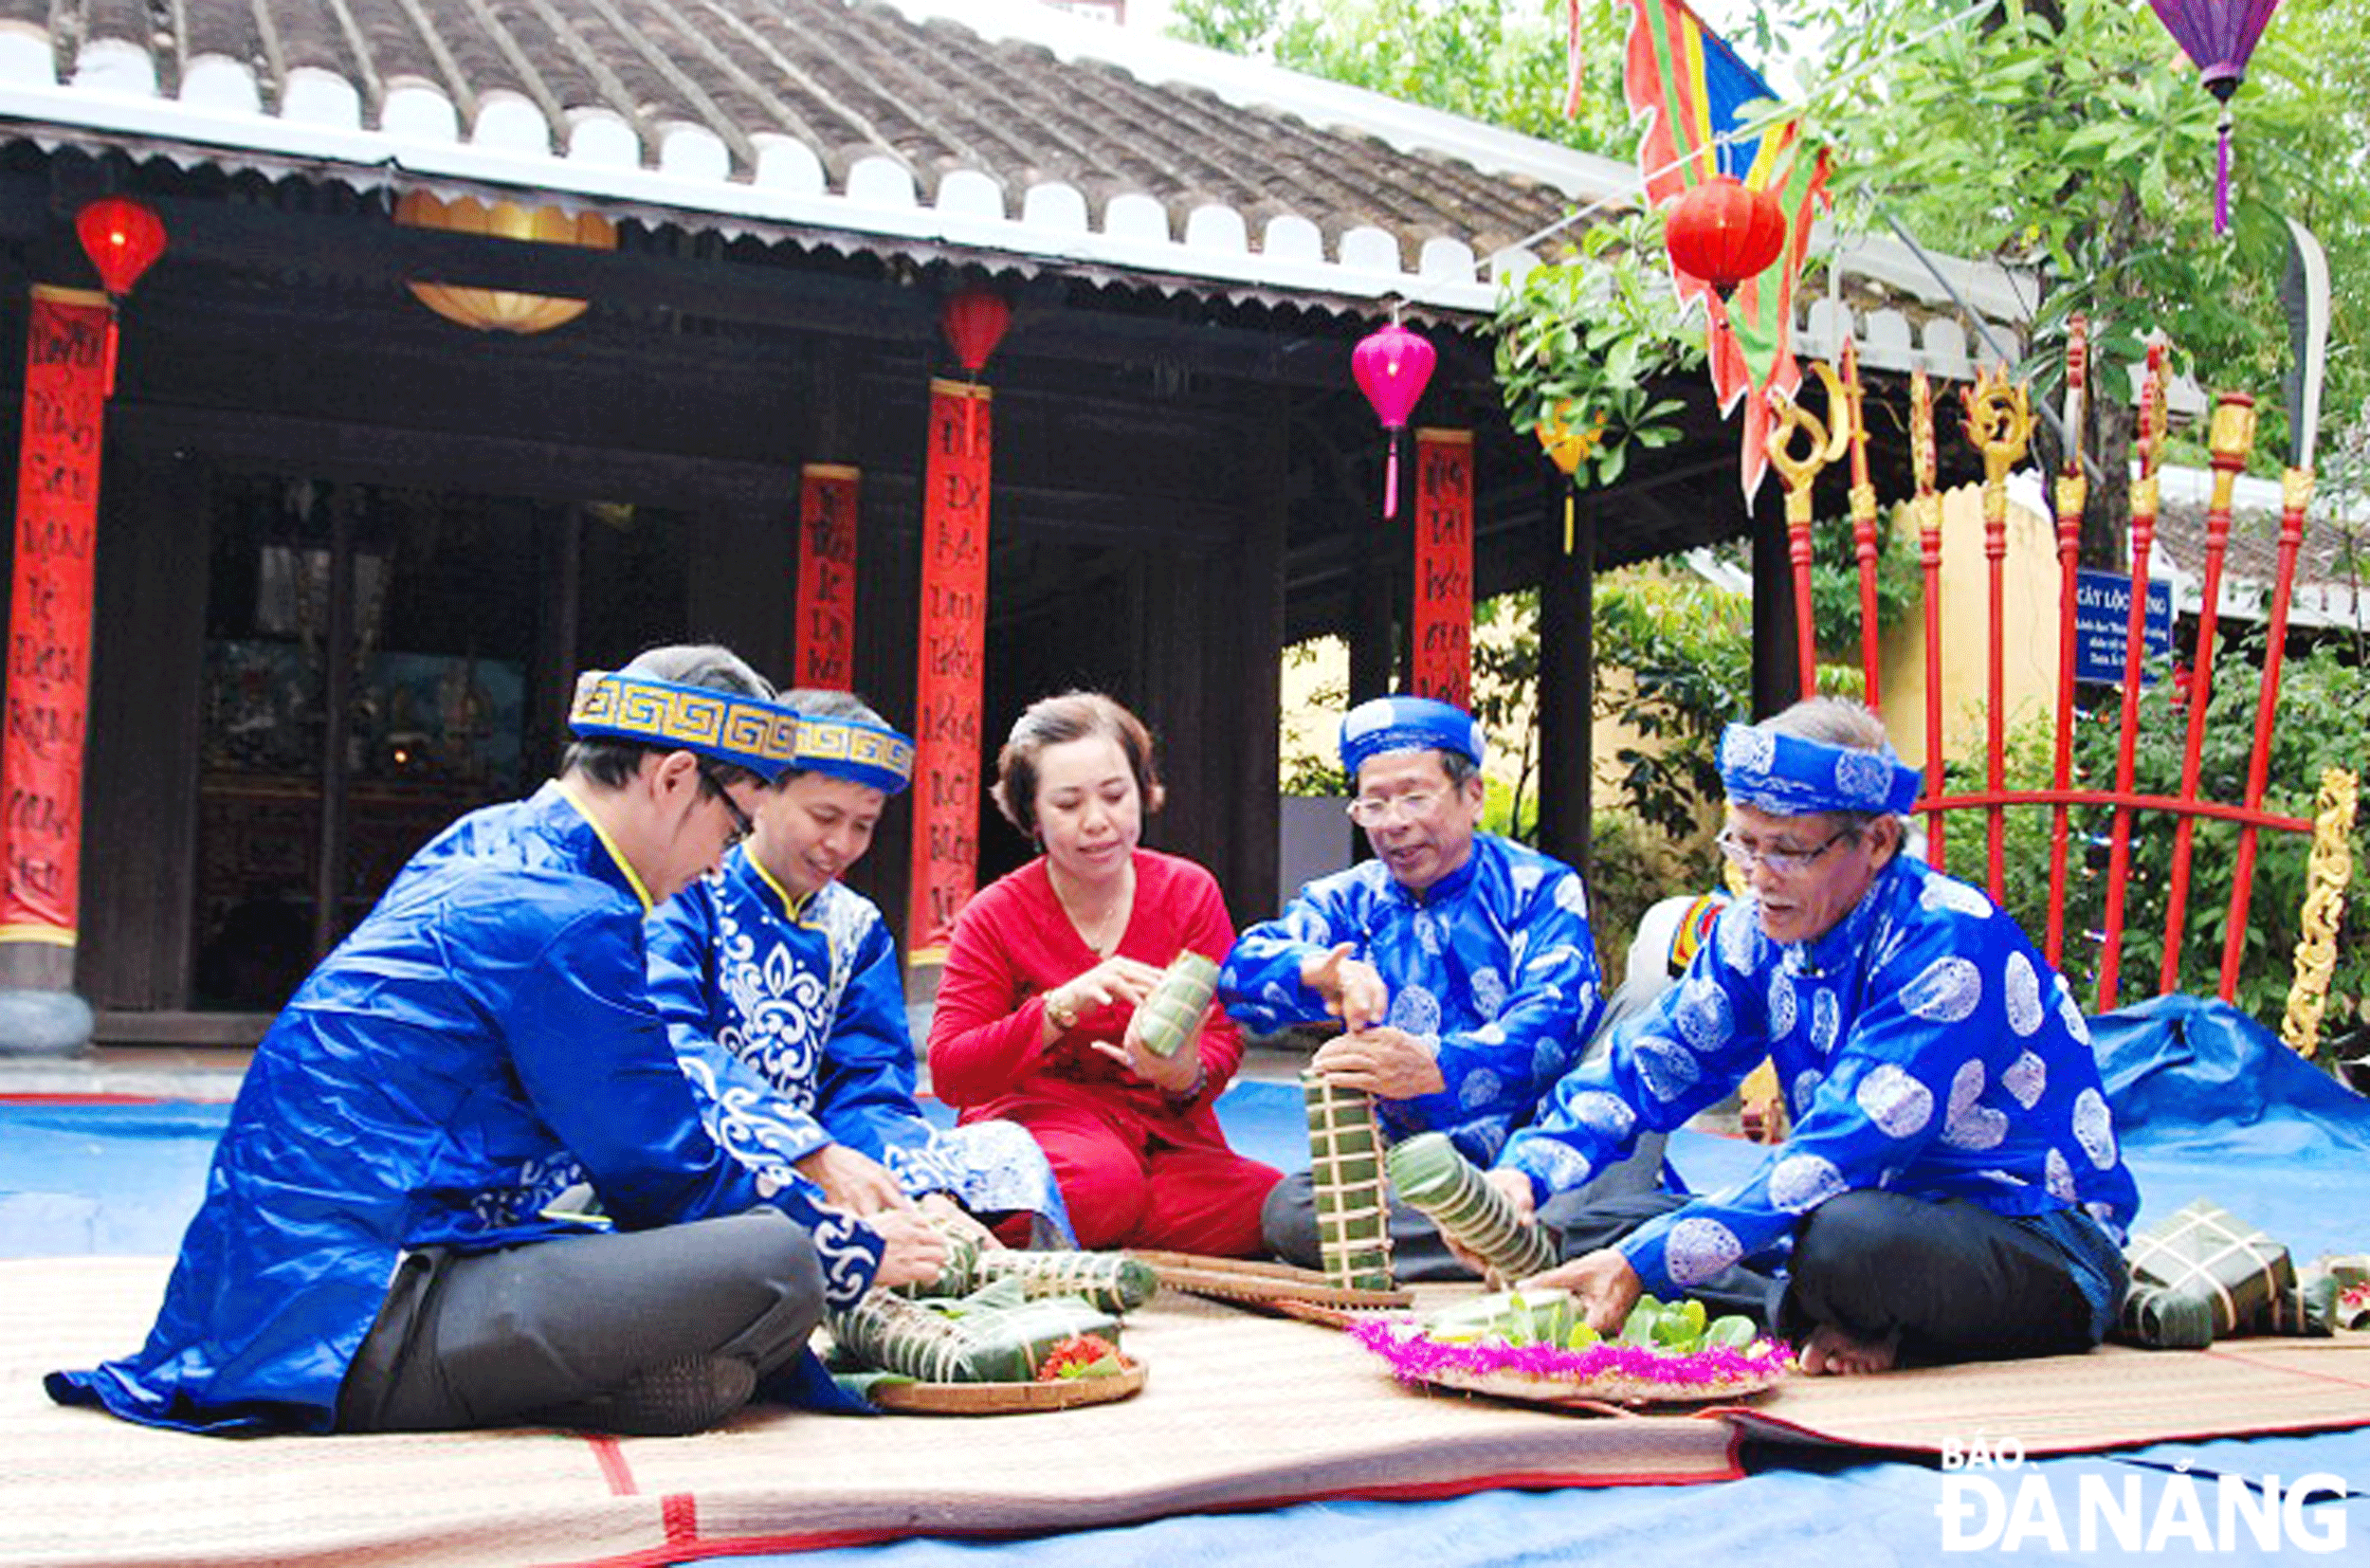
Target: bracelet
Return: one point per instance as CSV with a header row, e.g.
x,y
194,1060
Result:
x,y
1192,1091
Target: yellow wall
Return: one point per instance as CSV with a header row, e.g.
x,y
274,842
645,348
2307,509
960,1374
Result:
x,y
2029,672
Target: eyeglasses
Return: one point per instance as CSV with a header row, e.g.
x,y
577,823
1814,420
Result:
x,y
1374,811
1786,863
742,824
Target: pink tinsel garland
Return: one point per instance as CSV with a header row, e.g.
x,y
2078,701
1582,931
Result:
x,y
1416,1359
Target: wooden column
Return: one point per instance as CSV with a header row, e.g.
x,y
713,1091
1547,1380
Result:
x,y
1776,675
1374,631
1243,626
1567,662
146,733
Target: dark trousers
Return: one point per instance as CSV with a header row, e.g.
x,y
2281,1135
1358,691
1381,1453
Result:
x,y
1953,1281
493,1339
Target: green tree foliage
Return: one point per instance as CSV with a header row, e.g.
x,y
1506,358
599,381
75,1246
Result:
x,y
2070,137
1581,345
1501,62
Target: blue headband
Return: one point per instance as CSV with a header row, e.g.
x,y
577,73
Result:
x,y
756,733
854,750
1404,724
1790,777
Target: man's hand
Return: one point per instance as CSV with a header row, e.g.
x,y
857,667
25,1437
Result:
x,y
1515,1187
1353,991
1385,1062
1602,1282
852,1180
911,1248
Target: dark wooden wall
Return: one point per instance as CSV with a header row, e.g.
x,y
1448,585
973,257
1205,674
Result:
x,y
1140,528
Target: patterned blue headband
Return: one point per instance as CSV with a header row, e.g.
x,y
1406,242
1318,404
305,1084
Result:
x,y
756,733
854,750
1790,777
1405,724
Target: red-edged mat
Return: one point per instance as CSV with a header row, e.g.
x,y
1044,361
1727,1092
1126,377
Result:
x,y
2115,1396
1239,1412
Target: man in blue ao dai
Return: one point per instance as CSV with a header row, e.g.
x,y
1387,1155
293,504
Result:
x,y
1951,1188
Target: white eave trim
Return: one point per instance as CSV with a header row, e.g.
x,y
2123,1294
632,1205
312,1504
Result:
x,y
1448,276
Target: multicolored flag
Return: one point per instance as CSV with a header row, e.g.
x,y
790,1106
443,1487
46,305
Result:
x,y
1693,89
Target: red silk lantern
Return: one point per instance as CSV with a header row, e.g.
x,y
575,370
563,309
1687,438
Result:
x,y
1723,231
123,238
973,322
1392,366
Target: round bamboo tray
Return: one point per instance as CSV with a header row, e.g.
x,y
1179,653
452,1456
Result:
x,y
1008,1399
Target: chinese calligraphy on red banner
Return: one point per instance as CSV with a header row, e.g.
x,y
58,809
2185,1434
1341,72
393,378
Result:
x,y
1442,636
49,614
948,685
825,637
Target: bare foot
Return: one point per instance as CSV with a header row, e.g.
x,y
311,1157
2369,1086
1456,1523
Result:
x,y
1832,1351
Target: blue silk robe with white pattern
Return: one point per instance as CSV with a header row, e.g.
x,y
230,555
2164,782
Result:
x,y
1924,1049
1492,968
789,1017
481,1044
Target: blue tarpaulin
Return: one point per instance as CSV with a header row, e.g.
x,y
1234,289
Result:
x,y
2208,1104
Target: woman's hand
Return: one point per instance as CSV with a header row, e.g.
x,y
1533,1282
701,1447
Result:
x,y
1179,1077
911,1248
852,1180
1117,981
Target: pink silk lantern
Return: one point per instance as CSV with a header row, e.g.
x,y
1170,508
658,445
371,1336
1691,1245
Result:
x,y
1392,366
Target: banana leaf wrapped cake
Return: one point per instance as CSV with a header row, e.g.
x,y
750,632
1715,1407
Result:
x,y
998,1334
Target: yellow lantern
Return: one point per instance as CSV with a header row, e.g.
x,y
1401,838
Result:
x,y
496,309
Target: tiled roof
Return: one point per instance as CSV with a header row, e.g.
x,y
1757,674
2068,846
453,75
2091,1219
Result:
x,y
2332,563
994,124
994,130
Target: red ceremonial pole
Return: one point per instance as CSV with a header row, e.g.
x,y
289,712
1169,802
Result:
x,y
1928,506
2143,503
2072,492
2231,434
2296,497
1863,521
2000,425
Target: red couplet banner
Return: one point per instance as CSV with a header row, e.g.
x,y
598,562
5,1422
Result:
x,y
826,633
49,611
948,686
1442,635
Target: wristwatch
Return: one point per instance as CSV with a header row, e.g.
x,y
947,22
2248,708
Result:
x,y
1065,1018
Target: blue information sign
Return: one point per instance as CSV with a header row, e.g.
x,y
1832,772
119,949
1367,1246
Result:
x,y
2101,608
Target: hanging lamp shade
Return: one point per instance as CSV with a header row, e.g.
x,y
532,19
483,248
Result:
x,y
1567,447
2219,35
501,309
1725,232
973,322
1391,367
123,239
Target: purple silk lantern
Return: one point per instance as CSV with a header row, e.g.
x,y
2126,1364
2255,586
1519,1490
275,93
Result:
x,y
2219,35
1393,367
